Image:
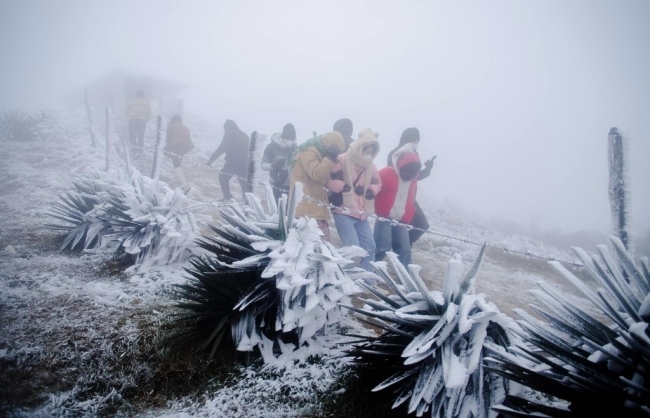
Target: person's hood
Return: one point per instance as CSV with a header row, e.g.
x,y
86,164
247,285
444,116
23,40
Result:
x,y
408,158
333,138
277,138
230,126
345,128
409,135
404,150
365,138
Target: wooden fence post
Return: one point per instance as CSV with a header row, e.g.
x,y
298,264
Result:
x,y
619,187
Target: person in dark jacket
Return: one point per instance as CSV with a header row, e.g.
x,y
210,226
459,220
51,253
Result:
x,y
345,128
276,159
419,220
235,147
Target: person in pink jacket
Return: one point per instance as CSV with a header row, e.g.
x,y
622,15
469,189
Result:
x,y
353,185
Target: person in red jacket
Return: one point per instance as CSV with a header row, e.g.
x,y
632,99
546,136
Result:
x,y
396,201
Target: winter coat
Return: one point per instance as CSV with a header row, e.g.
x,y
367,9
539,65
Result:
x,y
235,145
313,170
138,109
353,170
178,139
279,177
396,199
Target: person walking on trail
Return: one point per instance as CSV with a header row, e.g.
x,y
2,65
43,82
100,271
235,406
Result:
x,y
276,159
345,128
311,165
354,183
412,136
396,202
138,112
178,143
235,147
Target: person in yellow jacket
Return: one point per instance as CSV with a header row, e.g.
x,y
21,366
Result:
x,y
138,112
311,165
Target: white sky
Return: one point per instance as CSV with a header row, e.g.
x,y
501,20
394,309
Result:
x,y
515,97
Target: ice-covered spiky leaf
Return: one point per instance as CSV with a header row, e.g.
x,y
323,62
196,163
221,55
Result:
x,y
273,292
598,363
431,362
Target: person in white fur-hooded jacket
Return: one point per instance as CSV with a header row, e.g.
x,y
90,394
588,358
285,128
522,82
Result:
x,y
354,183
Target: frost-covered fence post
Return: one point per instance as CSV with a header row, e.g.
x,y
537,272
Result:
x,y
157,153
90,119
108,139
127,155
619,187
253,179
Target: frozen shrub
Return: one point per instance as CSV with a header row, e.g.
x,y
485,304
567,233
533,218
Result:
x,y
598,359
16,125
433,343
141,217
269,281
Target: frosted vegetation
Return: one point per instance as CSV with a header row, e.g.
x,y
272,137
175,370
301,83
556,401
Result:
x,y
100,317
131,213
433,342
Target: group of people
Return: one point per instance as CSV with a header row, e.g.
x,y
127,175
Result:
x,y
336,171
178,141
339,171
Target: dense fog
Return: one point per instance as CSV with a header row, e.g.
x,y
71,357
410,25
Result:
x,y
515,98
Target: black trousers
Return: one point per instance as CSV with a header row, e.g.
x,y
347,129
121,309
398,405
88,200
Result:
x,y
136,134
224,181
278,191
418,221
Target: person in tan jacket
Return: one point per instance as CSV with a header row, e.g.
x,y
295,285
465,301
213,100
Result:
x,y
138,112
311,165
178,144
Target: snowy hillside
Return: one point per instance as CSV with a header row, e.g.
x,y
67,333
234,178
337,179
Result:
x,y
79,336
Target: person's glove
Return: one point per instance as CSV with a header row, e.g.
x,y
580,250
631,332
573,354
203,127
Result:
x,y
277,163
332,152
337,176
359,190
370,194
280,176
346,188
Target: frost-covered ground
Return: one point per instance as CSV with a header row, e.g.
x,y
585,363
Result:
x,y
78,336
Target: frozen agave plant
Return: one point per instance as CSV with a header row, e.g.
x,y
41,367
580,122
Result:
x,y
138,216
433,343
16,125
268,281
597,360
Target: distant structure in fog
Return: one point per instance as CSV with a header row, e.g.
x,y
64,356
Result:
x,y
115,89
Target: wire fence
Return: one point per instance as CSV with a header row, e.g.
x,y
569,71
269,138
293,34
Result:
x,y
349,211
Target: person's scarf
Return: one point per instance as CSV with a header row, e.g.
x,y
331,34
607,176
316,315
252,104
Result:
x,y
316,142
355,158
